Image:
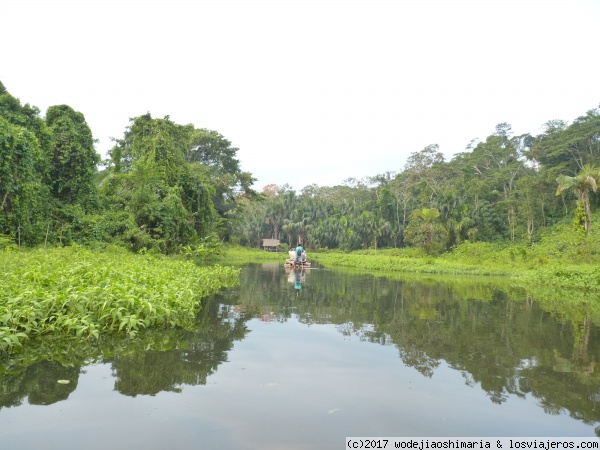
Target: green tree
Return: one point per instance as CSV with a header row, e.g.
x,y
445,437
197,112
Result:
x,y
425,168
566,149
584,182
402,188
173,147
24,143
19,181
171,199
28,117
423,230
210,149
73,157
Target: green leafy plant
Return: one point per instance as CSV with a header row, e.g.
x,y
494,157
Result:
x,y
75,291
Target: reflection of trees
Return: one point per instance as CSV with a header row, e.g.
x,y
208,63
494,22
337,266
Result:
x,y
191,361
39,383
418,359
507,346
157,360
502,340
499,338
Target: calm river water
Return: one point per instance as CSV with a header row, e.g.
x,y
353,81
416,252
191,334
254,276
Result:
x,y
302,360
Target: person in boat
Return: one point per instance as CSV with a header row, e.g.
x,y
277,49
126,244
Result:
x,y
299,251
292,254
303,257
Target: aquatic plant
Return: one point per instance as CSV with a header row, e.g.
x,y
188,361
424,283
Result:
x,y
79,292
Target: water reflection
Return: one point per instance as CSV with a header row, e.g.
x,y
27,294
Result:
x,y
42,383
296,277
500,340
154,362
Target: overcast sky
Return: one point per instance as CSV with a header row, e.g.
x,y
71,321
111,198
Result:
x,y
310,91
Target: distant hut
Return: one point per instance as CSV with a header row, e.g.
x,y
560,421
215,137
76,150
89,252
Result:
x,y
271,245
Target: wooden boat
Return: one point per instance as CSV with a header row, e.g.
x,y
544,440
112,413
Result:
x,y
297,265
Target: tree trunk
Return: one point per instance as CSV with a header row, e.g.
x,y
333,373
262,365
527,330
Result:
x,y
4,200
588,212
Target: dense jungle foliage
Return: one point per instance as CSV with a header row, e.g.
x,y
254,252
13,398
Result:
x,y
505,189
170,188
165,188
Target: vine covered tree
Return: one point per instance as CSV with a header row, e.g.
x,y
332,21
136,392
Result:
x,y
24,144
73,159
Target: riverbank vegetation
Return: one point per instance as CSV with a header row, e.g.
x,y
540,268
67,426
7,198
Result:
x,y
522,265
524,206
503,190
165,187
75,291
507,205
172,188
562,258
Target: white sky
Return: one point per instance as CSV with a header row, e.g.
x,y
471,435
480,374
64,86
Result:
x,y
310,91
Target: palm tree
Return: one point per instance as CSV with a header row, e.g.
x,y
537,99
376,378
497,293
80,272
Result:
x,y
290,228
428,215
581,184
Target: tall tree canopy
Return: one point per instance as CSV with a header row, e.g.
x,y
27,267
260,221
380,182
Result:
x,y
25,141
500,188
167,185
170,187
73,159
